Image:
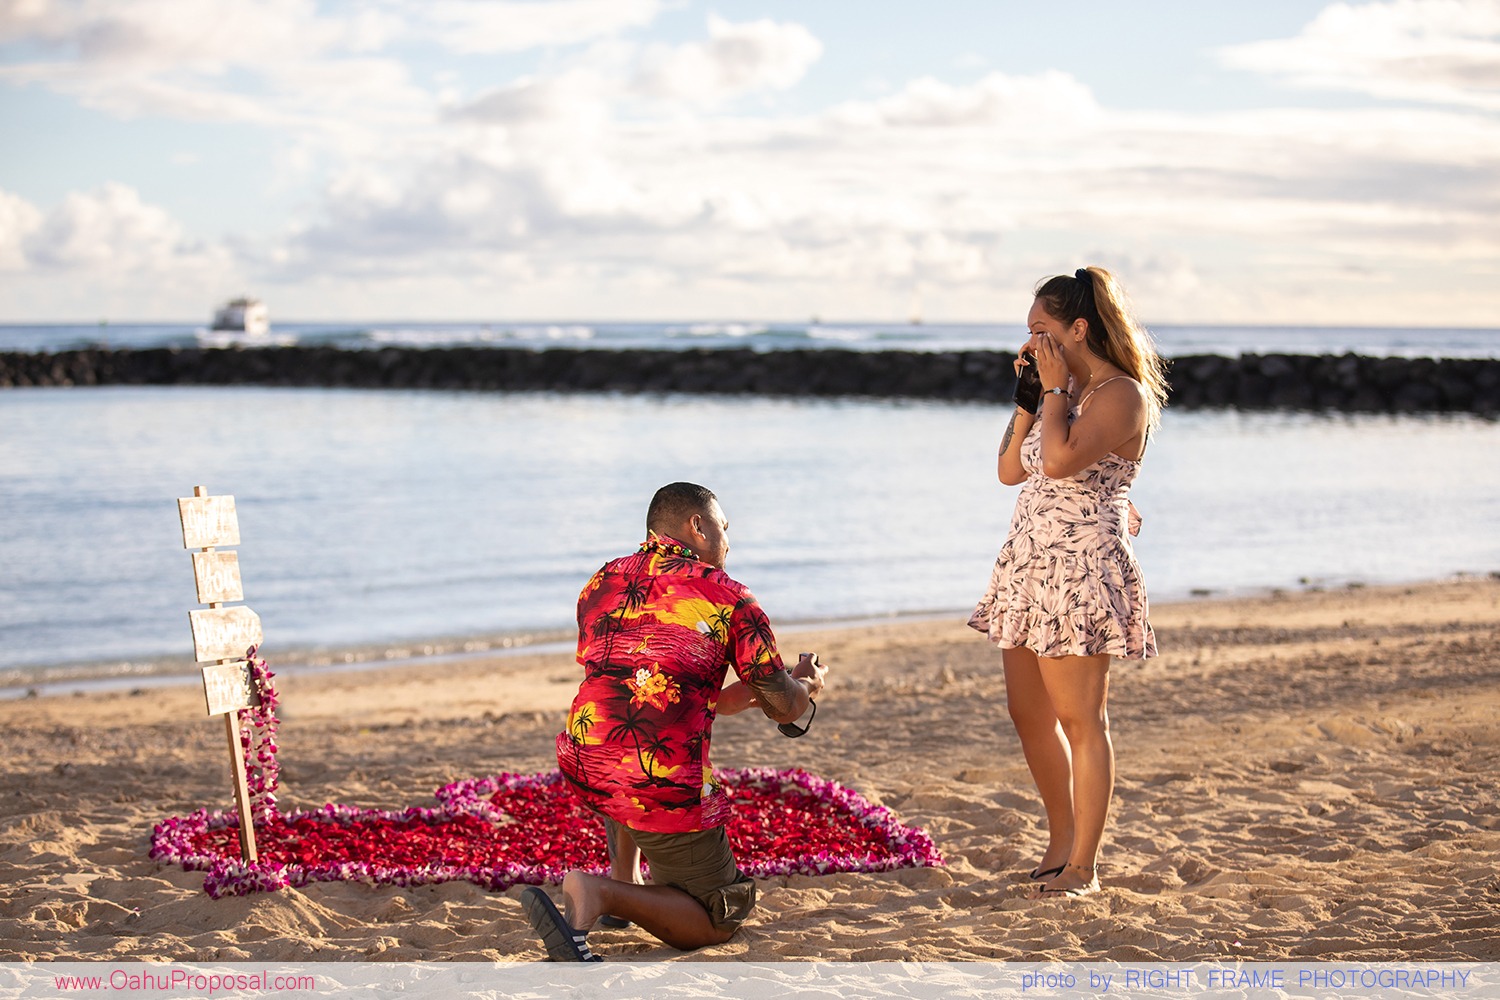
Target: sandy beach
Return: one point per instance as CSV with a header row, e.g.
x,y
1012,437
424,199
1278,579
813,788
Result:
x,y
1301,777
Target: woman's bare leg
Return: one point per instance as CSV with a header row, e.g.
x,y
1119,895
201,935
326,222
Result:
x,y
1078,689
1046,750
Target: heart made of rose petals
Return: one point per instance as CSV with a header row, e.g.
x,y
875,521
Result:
x,y
513,828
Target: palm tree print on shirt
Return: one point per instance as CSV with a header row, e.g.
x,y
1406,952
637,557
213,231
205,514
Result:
x,y
658,632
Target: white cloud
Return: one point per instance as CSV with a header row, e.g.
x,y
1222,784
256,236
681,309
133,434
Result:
x,y
204,36
1052,99
968,193
264,62
133,95
18,220
477,26
1431,51
736,59
107,252
109,229
610,179
565,99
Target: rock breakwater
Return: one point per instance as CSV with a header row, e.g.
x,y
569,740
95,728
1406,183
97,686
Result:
x,y
1348,383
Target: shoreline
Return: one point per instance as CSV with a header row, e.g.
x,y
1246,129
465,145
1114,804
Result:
x,y
154,672
87,676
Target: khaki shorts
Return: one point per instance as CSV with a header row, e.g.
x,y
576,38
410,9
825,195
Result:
x,y
701,865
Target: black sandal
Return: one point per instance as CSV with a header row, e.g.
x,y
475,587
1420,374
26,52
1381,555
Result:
x,y
563,943
1076,891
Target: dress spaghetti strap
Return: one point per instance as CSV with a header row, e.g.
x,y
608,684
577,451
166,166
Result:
x,y
1095,389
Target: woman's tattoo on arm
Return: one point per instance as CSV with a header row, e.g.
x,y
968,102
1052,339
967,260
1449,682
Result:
x,y
1010,431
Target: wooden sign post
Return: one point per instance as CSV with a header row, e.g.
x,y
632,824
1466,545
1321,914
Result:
x,y
222,634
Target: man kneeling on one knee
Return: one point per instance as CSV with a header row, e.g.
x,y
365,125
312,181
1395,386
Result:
x,y
657,632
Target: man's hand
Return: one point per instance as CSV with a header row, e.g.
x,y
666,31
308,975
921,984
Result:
x,y
783,696
810,670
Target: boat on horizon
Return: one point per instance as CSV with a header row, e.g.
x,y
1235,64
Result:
x,y
242,322
243,315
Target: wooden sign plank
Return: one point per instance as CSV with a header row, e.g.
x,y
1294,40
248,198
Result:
x,y
224,633
228,687
208,521
218,577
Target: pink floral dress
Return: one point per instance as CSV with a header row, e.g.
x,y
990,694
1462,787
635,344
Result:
x,y
1067,582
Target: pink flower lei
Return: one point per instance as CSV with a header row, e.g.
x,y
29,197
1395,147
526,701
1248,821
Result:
x,y
258,728
510,829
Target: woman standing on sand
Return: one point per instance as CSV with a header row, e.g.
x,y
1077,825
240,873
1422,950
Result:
x,y
1067,594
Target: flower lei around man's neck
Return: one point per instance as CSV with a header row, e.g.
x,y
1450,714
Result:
x,y
511,829
663,545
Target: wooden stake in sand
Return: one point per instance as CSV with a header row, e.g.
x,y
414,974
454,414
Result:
x,y
222,634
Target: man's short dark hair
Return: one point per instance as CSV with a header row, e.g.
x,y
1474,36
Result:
x,y
675,503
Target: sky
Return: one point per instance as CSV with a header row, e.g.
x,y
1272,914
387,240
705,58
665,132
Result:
x,y
1246,163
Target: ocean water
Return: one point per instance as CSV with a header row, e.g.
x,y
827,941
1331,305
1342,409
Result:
x,y
1174,340
390,519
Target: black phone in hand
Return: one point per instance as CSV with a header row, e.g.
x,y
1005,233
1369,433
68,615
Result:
x,y
1029,385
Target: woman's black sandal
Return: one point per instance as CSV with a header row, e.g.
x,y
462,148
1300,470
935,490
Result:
x,y
1082,890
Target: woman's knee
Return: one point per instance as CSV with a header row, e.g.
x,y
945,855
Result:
x,y
1086,728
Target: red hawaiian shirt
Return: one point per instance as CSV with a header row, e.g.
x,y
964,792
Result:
x,y
657,632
